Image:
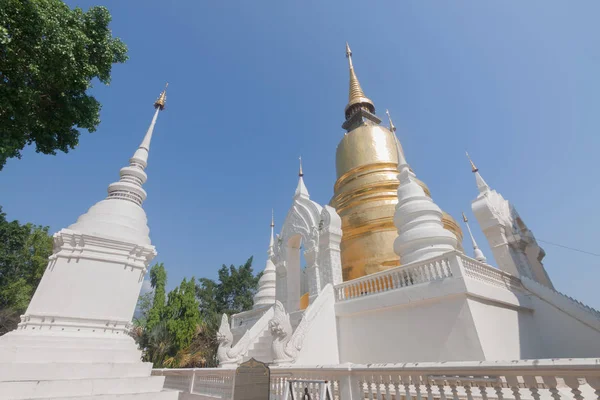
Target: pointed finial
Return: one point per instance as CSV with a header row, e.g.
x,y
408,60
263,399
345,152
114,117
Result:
x,y
300,173
349,55
161,102
473,167
356,96
392,126
477,253
272,218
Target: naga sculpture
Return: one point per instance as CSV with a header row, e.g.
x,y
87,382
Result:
x,y
281,329
228,355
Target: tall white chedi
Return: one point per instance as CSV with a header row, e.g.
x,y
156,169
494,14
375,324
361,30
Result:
x,y
73,339
421,233
266,294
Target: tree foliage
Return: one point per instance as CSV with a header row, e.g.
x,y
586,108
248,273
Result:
x,y
232,294
182,313
49,55
181,331
158,280
24,252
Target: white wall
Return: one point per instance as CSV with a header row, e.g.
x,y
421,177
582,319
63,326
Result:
x,y
563,336
435,330
320,343
505,333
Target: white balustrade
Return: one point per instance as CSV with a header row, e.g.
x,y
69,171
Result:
x,y
486,273
556,379
396,278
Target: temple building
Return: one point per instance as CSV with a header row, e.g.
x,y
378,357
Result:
x,y
388,305
387,280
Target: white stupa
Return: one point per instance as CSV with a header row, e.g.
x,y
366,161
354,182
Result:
x,y
73,340
265,295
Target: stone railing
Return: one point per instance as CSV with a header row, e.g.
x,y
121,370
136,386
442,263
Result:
x,y
555,379
450,265
486,273
396,278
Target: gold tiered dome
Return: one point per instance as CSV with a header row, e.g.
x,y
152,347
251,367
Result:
x,y
365,193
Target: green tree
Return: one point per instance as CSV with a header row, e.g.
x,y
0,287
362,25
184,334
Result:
x,y
182,313
24,252
158,280
236,288
49,54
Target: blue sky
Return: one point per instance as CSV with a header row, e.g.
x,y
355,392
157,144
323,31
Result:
x,y
253,85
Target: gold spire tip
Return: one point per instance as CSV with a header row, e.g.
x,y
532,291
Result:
x,y
473,167
465,218
162,99
392,126
300,173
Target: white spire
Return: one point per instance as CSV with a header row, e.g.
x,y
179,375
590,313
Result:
x,y
421,234
301,189
270,252
481,185
129,187
265,295
476,250
121,215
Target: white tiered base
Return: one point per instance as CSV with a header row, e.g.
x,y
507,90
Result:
x,y
67,366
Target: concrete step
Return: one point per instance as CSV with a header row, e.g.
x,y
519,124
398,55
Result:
x,y
58,371
165,395
44,354
15,390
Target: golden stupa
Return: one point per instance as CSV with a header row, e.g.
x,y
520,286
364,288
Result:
x,y
365,193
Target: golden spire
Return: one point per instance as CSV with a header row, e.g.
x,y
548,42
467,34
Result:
x,y
355,93
473,167
392,126
465,217
300,173
162,99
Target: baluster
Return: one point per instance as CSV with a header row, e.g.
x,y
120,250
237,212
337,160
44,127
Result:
x,y
396,390
498,389
532,384
550,381
417,384
428,389
573,383
594,382
370,388
403,278
432,271
483,391
386,382
453,390
467,387
393,280
406,383
441,389
440,265
513,384
378,284
377,383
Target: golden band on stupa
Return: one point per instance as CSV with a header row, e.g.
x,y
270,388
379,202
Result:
x,y
365,193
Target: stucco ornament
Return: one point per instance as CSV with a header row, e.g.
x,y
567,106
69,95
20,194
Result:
x,y
227,354
281,329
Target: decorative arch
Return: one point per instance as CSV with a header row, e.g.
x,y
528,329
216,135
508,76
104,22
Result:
x,y
319,229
